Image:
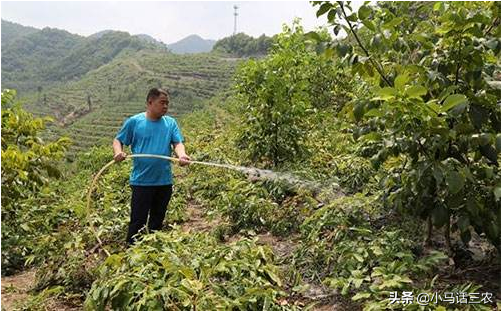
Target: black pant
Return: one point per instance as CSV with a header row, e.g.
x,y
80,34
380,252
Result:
x,y
145,200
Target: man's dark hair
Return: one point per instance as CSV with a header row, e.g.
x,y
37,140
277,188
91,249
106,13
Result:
x,y
153,93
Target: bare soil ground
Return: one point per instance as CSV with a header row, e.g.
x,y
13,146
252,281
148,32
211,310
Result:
x,y
197,221
15,289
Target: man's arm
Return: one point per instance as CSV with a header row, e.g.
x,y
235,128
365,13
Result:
x,y
180,152
119,154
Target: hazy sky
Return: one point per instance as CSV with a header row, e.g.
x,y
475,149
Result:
x,y
167,21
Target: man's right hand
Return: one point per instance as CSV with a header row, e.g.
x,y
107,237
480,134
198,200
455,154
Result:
x,y
120,156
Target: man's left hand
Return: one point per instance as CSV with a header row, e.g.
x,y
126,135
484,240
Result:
x,y
184,160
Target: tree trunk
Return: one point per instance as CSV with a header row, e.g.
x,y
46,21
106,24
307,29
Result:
x,y
429,230
448,236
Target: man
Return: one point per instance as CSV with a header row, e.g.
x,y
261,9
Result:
x,y
150,132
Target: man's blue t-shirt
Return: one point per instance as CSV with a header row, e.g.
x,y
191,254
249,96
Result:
x,y
150,137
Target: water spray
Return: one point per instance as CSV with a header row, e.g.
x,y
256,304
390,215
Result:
x,y
251,172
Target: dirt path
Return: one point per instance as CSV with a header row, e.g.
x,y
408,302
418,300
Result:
x,y
15,289
282,247
197,221
139,68
16,292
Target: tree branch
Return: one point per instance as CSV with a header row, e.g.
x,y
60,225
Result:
x,y
374,63
425,152
458,66
495,22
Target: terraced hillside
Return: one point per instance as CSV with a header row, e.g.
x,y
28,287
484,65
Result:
x,y
100,126
92,109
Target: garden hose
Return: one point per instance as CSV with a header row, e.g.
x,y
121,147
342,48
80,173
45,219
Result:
x,y
97,176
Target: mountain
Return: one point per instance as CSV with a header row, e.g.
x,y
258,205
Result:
x,y
144,37
99,34
11,31
92,53
40,58
192,44
27,59
151,40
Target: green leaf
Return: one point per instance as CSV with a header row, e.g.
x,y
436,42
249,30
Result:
x,y
435,108
118,286
358,282
96,294
301,288
374,113
497,193
458,110
25,227
345,289
323,9
455,181
267,303
358,257
372,136
331,16
438,6
438,174
272,274
377,250
329,53
466,236
353,17
463,223
375,42
346,29
478,115
392,23
354,59
369,69
360,295
483,138
498,143
416,91
192,285
467,174
188,272
369,24
364,12
440,215
453,101
400,81
342,49
52,171
489,152
386,93
337,29
313,36
358,111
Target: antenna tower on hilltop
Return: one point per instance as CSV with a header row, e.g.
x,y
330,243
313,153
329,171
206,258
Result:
x,y
235,19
